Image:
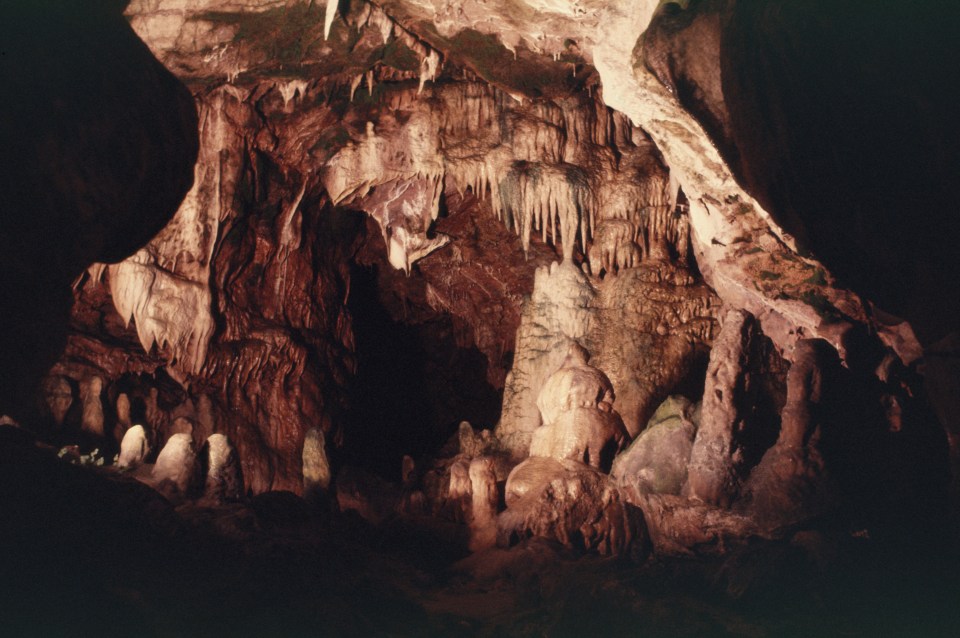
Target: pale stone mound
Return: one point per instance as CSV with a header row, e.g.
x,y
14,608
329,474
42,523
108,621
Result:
x,y
176,466
593,436
316,466
575,384
656,462
579,421
133,448
571,503
224,474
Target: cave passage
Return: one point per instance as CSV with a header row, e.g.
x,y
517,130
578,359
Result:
x,y
414,383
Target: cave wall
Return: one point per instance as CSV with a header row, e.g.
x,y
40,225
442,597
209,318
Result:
x,y
355,169
241,315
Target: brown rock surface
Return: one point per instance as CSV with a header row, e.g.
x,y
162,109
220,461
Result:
x,y
571,503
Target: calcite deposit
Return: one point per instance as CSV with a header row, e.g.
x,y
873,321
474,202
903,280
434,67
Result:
x,y
532,216
419,317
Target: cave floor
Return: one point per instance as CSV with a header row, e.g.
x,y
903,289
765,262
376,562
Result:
x,y
88,552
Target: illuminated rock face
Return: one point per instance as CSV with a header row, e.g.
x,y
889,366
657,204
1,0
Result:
x,y
579,423
133,448
543,203
240,305
176,470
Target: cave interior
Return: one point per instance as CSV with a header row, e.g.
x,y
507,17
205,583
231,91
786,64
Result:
x,y
526,317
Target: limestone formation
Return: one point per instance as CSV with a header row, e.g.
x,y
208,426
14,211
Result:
x,y
316,466
681,527
791,482
656,461
59,397
569,502
558,314
579,422
478,159
123,411
714,472
182,425
134,448
473,443
92,419
224,475
176,470
654,324
485,499
459,494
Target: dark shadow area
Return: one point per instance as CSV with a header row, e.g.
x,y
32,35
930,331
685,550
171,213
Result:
x,y
414,383
90,553
98,144
844,114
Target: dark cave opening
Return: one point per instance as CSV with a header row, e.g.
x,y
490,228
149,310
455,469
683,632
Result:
x,y
414,382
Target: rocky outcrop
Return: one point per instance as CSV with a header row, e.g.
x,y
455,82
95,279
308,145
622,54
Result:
x,y
569,502
716,463
657,462
791,483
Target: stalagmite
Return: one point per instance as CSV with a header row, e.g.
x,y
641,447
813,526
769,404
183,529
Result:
x,y
791,482
224,475
559,314
579,421
460,486
485,497
176,468
153,413
123,411
59,397
92,419
316,466
713,473
134,448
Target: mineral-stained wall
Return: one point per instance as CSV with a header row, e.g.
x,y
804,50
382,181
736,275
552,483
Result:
x,y
236,317
395,218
